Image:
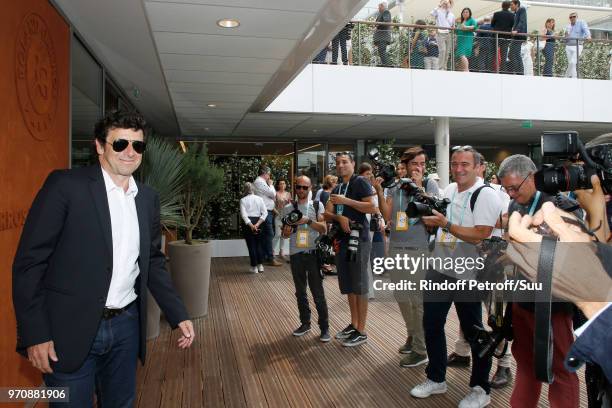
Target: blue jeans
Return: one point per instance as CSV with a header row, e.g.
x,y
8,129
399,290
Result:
x,y
110,366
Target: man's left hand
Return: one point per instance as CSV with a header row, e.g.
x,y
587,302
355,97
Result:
x,y
337,199
186,339
435,220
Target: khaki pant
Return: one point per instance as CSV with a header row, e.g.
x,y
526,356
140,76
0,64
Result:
x,y
411,302
444,49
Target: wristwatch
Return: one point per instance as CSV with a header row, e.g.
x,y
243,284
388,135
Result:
x,y
309,222
447,227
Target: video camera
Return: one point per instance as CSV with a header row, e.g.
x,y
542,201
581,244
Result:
x,y
422,204
382,170
565,176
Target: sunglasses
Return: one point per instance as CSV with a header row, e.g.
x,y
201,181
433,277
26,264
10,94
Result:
x,y
120,145
349,154
572,16
466,147
302,187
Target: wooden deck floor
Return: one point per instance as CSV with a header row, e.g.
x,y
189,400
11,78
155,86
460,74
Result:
x,y
245,355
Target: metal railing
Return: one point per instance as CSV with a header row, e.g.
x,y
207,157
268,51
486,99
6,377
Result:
x,y
423,47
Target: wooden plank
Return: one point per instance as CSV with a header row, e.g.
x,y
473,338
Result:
x,y
172,386
151,391
246,355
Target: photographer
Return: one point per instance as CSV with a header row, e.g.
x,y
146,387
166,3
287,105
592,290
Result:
x,y
516,174
409,236
347,208
303,257
582,274
472,214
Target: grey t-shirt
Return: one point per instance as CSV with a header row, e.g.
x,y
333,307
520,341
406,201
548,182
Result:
x,y
312,234
416,235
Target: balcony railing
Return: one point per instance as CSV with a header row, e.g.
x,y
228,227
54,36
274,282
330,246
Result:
x,y
422,46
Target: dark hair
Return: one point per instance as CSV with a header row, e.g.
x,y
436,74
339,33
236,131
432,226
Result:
x,y
363,167
278,183
548,20
348,154
263,169
516,2
411,153
506,4
118,119
470,11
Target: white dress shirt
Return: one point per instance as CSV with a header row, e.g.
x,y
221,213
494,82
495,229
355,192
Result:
x,y
126,242
444,18
265,191
252,206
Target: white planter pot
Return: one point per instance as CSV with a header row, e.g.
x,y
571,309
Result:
x,y
190,270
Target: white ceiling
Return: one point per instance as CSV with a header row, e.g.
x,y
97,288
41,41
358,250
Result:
x,y
231,68
271,126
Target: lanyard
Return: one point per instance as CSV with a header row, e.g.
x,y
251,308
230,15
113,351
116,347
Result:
x,y
340,207
535,203
450,217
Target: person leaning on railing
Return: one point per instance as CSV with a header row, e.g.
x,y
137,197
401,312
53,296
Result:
x,y
575,31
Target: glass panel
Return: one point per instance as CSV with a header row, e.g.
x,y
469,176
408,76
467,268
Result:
x,y
311,161
111,97
86,103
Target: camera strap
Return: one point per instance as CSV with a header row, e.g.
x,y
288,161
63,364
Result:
x,y
543,336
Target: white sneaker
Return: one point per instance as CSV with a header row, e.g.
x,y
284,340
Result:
x,y
428,388
477,398
253,269
260,268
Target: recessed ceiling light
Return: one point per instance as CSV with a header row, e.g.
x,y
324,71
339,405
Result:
x,y
206,129
212,105
314,130
228,23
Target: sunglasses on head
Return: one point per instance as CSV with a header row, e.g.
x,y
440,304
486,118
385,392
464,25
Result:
x,y
349,154
302,187
466,147
120,145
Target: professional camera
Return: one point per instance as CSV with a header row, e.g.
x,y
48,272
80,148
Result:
x,y
383,170
353,242
292,218
487,341
375,222
597,159
421,204
491,250
325,246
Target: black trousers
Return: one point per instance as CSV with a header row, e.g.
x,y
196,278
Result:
x,y
435,311
516,61
305,271
382,53
254,243
341,40
267,230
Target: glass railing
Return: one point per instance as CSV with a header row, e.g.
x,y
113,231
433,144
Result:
x,y
424,47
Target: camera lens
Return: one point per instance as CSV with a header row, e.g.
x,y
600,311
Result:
x,y
552,180
416,209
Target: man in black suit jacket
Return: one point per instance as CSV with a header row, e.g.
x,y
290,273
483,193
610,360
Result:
x,y
519,27
89,250
382,35
503,20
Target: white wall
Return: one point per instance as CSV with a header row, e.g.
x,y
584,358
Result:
x,y
392,91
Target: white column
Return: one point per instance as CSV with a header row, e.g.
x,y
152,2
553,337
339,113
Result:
x,y
442,140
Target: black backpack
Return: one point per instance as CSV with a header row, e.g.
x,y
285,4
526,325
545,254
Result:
x,y
475,194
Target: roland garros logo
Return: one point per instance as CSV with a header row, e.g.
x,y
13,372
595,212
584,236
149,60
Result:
x,y
36,76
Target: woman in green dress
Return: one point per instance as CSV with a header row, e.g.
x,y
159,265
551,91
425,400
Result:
x,y
465,38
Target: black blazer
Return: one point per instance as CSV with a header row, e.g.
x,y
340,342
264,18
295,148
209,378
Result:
x,y
502,20
520,21
63,266
383,32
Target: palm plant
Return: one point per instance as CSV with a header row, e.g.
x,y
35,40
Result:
x,y
202,182
162,170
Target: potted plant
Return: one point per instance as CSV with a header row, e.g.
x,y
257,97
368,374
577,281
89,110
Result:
x,y
190,258
162,170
